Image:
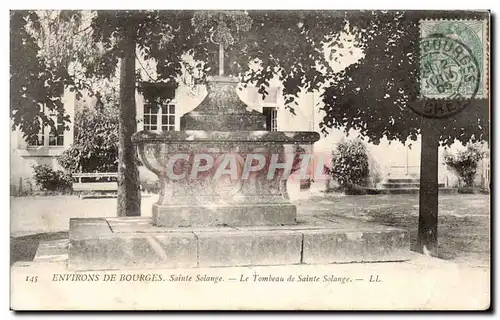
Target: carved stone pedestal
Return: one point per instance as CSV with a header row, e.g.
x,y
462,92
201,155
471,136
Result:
x,y
223,201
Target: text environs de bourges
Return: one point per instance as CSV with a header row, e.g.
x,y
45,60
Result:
x,y
206,278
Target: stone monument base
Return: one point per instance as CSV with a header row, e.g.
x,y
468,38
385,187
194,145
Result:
x,y
221,214
134,242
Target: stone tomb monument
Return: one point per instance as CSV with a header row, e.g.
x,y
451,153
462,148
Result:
x,y
241,218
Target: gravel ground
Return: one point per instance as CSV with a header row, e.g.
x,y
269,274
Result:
x,y
463,233
464,220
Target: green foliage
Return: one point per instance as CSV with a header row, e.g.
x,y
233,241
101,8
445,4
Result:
x,y
227,26
95,146
32,85
50,51
350,164
288,45
372,96
465,162
52,180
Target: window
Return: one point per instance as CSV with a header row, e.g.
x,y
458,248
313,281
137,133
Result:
x,y
159,108
150,117
48,136
269,105
168,117
271,114
159,117
51,137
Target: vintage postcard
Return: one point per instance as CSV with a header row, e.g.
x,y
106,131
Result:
x,y
250,160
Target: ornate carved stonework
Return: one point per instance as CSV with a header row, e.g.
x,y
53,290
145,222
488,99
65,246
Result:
x,y
222,109
221,133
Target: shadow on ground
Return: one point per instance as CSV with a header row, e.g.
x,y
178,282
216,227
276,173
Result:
x,y
24,248
463,222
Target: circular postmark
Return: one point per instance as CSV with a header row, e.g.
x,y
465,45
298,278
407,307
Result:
x,y
449,77
465,32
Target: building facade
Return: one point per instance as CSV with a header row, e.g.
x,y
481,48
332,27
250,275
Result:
x,y
160,107
44,151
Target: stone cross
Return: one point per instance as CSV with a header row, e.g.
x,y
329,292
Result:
x,y
221,59
222,36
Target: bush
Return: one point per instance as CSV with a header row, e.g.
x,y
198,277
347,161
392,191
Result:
x,y
95,146
375,174
465,163
52,180
484,191
350,165
466,190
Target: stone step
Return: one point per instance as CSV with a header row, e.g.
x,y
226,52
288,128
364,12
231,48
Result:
x,y
403,180
128,243
442,190
399,185
210,214
404,185
52,251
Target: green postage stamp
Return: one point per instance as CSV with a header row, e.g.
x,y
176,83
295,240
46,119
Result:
x,y
454,59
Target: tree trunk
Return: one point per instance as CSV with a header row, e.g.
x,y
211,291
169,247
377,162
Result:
x,y
427,241
129,197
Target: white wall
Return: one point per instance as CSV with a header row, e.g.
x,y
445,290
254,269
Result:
x,y
23,157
